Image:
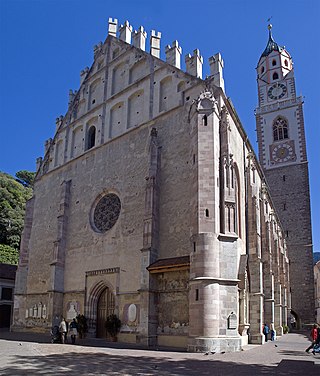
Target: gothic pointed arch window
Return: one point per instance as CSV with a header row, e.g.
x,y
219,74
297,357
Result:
x,y
280,129
231,212
275,76
91,137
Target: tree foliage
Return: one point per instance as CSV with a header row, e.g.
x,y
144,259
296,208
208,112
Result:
x,y
8,255
13,197
26,178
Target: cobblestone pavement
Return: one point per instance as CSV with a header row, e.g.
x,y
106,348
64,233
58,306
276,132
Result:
x,y
33,354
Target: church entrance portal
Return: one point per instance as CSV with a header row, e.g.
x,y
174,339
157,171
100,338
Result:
x,y
105,307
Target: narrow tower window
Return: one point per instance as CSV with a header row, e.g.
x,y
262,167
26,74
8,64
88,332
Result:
x,y
91,138
205,120
275,76
286,63
274,62
207,213
262,70
197,294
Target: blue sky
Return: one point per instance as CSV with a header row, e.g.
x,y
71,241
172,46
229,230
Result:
x,y
44,44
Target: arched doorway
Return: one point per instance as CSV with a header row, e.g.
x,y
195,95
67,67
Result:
x,y
105,307
294,321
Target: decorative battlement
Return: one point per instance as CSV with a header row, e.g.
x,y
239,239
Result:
x,y
155,43
194,64
96,49
38,163
72,94
47,144
216,69
173,54
139,38
125,32
59,121
83,74
113,27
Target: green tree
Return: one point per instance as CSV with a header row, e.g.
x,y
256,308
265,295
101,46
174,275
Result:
x,y
8,255
13,197
26,178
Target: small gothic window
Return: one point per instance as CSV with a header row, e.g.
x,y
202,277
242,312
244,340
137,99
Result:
x,y
274,62
286,63
207,213
91,137
280,129
197,294
262,70
275,76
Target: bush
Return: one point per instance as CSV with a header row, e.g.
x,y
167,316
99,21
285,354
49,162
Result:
x,y
113,325
8,255
285,329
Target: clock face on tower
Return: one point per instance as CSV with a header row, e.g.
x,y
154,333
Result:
x,y
277,91
282,153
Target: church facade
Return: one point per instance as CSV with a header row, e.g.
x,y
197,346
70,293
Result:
x,y
150,203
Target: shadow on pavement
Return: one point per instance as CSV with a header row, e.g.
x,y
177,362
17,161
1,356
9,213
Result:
x,y
100,364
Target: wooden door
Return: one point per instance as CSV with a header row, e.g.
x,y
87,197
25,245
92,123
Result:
x,y
104,309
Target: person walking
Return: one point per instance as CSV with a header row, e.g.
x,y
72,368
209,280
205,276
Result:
x,y
266,332
73,331
313,336
63,330
272,332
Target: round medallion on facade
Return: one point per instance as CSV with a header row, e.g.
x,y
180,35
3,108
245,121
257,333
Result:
x,y
106,212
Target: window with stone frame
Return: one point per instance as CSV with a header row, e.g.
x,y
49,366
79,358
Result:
x,y
280,129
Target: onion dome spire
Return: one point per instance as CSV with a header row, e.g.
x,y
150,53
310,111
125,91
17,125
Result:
x,y
271,45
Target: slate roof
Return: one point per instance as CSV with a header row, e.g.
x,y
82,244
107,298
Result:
x,y
272,45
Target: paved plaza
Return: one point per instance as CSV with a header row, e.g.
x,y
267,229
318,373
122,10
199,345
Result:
x,y
33,354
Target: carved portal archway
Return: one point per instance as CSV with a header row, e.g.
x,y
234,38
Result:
x,y
101,303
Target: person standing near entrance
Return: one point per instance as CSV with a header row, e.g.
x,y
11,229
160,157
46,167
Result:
x,y
73,331
266,332
63,330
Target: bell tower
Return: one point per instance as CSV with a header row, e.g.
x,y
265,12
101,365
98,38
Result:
x,y
283,156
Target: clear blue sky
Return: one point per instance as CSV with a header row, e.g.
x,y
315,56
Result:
x,y
44,44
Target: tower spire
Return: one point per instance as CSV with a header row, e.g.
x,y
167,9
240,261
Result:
x,y
271,45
